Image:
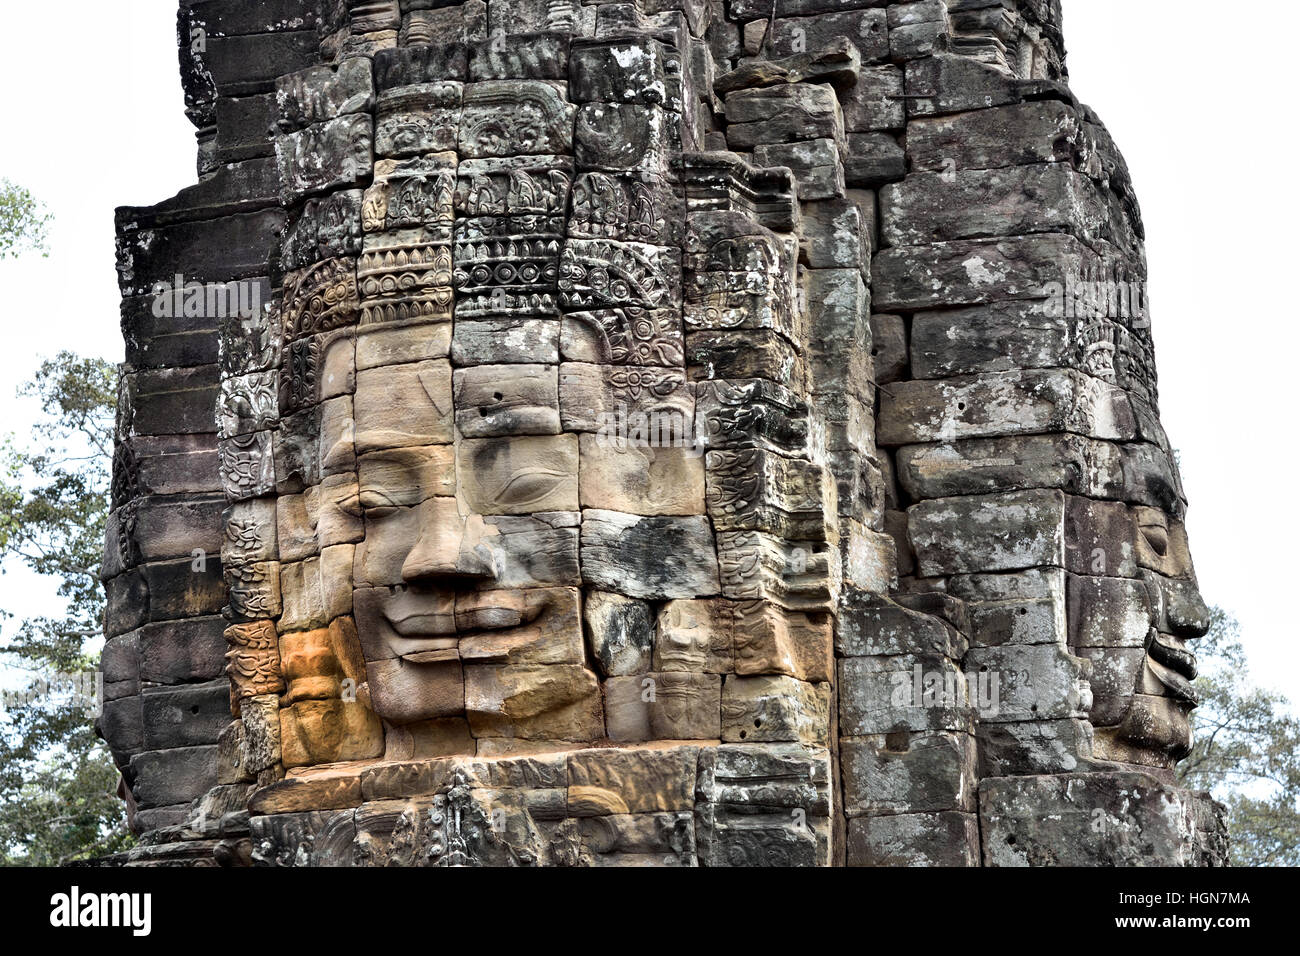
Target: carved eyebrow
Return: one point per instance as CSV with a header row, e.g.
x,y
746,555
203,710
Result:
x,y
386,468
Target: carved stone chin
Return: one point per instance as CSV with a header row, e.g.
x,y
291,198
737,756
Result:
x,y
653,418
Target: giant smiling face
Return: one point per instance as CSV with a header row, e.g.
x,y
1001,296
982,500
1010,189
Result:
x,y
504,488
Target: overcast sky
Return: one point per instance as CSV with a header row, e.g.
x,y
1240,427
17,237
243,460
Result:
x,y
1209,136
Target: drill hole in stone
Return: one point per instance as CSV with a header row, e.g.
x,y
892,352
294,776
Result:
x,y
897,741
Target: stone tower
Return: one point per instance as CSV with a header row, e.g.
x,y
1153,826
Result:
x,y
683,432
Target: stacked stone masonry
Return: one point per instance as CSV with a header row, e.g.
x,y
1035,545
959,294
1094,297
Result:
x,y
666,432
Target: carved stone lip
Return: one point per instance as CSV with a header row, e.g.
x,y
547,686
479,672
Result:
x,y
428,624
441,630
317,687
489,618
434,655
1171,652
1179,687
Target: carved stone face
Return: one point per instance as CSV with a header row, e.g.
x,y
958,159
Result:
x,y
1156,702
491,454
1137,613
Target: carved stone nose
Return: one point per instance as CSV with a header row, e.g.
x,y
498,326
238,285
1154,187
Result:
x,y
1187,614
1179,608
447,546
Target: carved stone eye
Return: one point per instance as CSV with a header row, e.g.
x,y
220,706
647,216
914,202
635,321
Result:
x,y
371,503
1157,536
530,486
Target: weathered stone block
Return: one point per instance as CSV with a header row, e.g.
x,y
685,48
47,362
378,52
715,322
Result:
x,y
640,478
641,781
685,706
323,93
1109,612
165,777
1006,403
628,70
1016,135
555,702
773,708
325,156
185,716
650,403
907,692
873,159
753,489
1035,747
507,400
818,171
909,773
513,476
650,558
974,271
783,114
181,652
620,633
1030,682
865,29
839,233
986,465
1101,538
1016,201
872,626
485,341
531,56
1092,819
915,839
404,405
1025,607
946,83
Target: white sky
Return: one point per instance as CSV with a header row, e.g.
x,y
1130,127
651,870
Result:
x,y
1209,136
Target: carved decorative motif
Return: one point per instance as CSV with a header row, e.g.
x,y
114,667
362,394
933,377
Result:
x,y
247,466
320,298
253,660
249,403
606,206
600,274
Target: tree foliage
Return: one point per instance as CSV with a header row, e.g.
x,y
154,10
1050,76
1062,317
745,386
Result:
x,y
1246,752
57,780
23,221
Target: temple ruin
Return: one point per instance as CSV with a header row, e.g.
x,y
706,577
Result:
x,y
670,432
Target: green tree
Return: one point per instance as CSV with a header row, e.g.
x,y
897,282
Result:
x,y
23,221
1246,752
57,780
